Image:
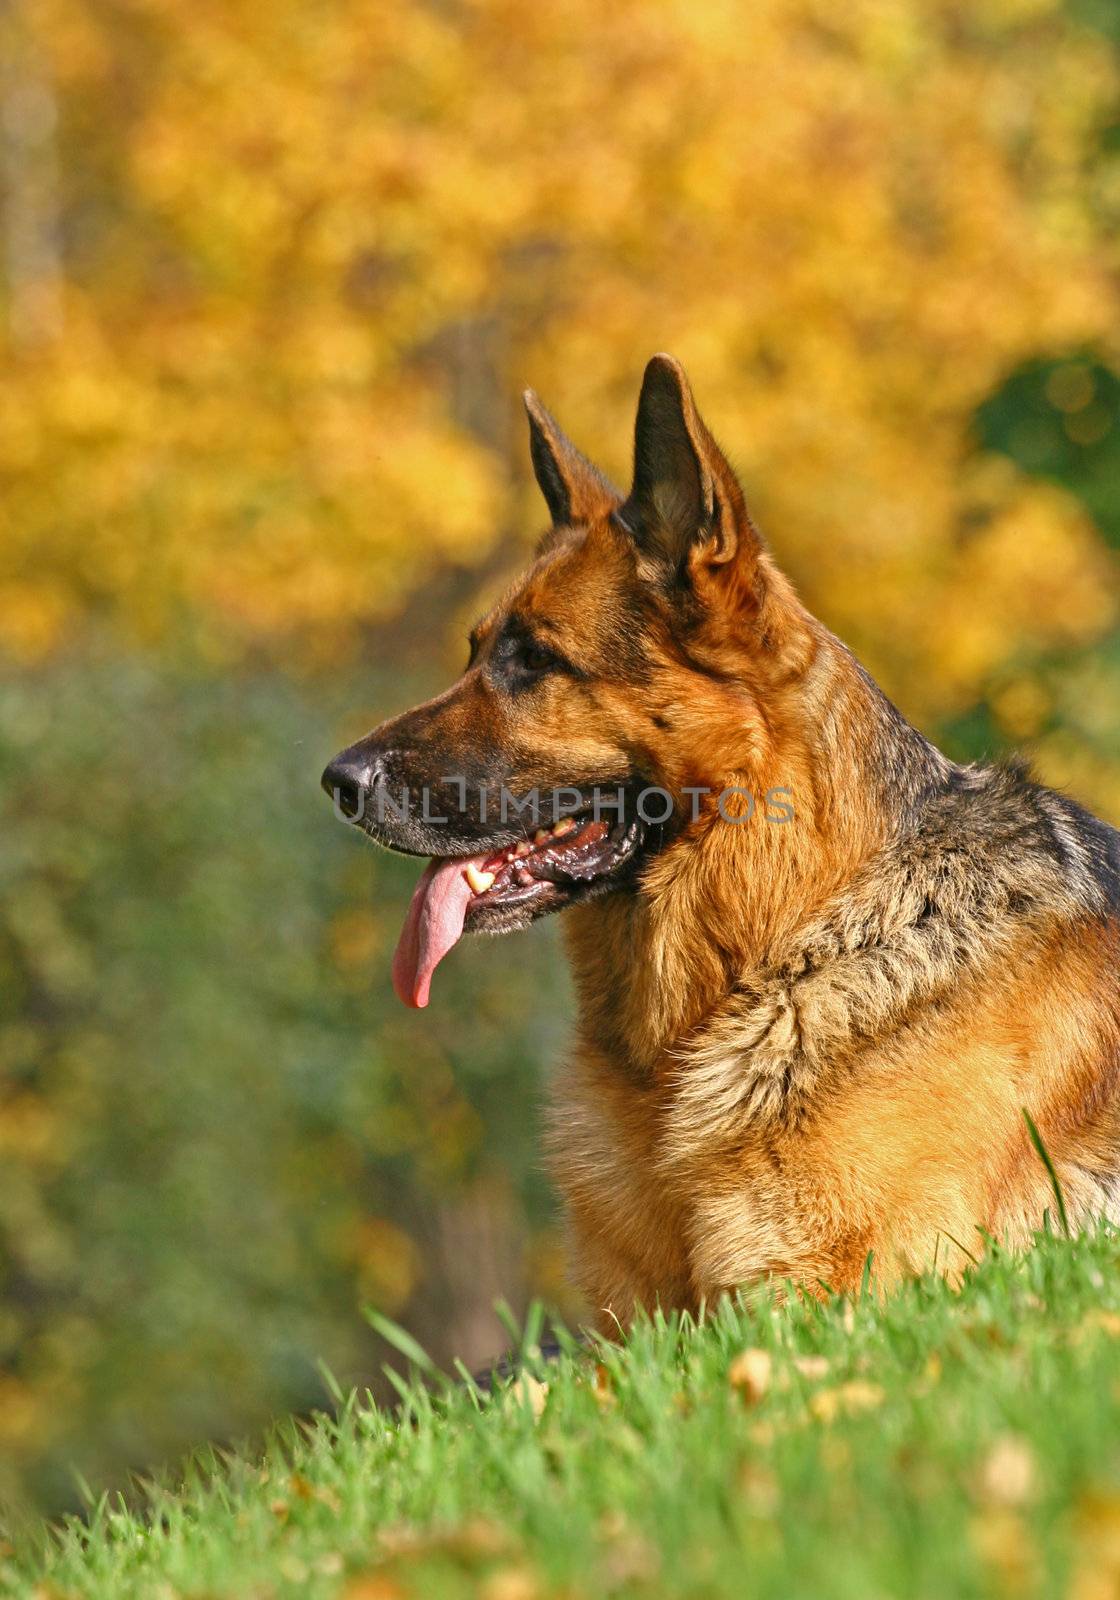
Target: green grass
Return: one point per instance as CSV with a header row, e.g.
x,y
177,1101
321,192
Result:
x,y
943,1443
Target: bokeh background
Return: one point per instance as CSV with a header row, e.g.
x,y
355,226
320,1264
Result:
x,y
271,280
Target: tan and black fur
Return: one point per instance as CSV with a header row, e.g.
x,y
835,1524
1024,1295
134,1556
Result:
x,y
797,1044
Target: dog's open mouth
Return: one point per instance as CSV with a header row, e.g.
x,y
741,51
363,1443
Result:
x,y
503,889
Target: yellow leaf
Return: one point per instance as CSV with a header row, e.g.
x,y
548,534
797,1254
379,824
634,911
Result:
x,y
846,1400
750,1374
1007,1477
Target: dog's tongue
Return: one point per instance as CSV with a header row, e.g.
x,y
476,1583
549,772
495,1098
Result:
x,y
434,924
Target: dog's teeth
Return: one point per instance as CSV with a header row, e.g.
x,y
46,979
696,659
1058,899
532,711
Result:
x,y
522,848
479,881
565,825
540,836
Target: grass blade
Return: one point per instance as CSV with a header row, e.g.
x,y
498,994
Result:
x,y
402,1341
1044,1157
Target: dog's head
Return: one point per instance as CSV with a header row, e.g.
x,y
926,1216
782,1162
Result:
x,y
609,694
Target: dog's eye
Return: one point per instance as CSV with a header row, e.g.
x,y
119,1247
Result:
x,y
520,659
535,657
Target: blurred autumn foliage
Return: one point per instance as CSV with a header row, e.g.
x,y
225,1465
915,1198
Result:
x,y
272,279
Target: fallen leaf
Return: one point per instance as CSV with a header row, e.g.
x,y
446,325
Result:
x,y
510,1583
372,1586
531,1392
1007,1477
814,1368
750,1374
846,1401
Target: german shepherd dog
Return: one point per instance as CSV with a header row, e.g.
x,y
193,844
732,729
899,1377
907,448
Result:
x,y
819,993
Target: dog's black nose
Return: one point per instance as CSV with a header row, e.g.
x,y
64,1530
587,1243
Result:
x,y
347,780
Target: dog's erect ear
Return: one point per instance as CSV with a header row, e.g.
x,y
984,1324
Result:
x,y
686,508
573,489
